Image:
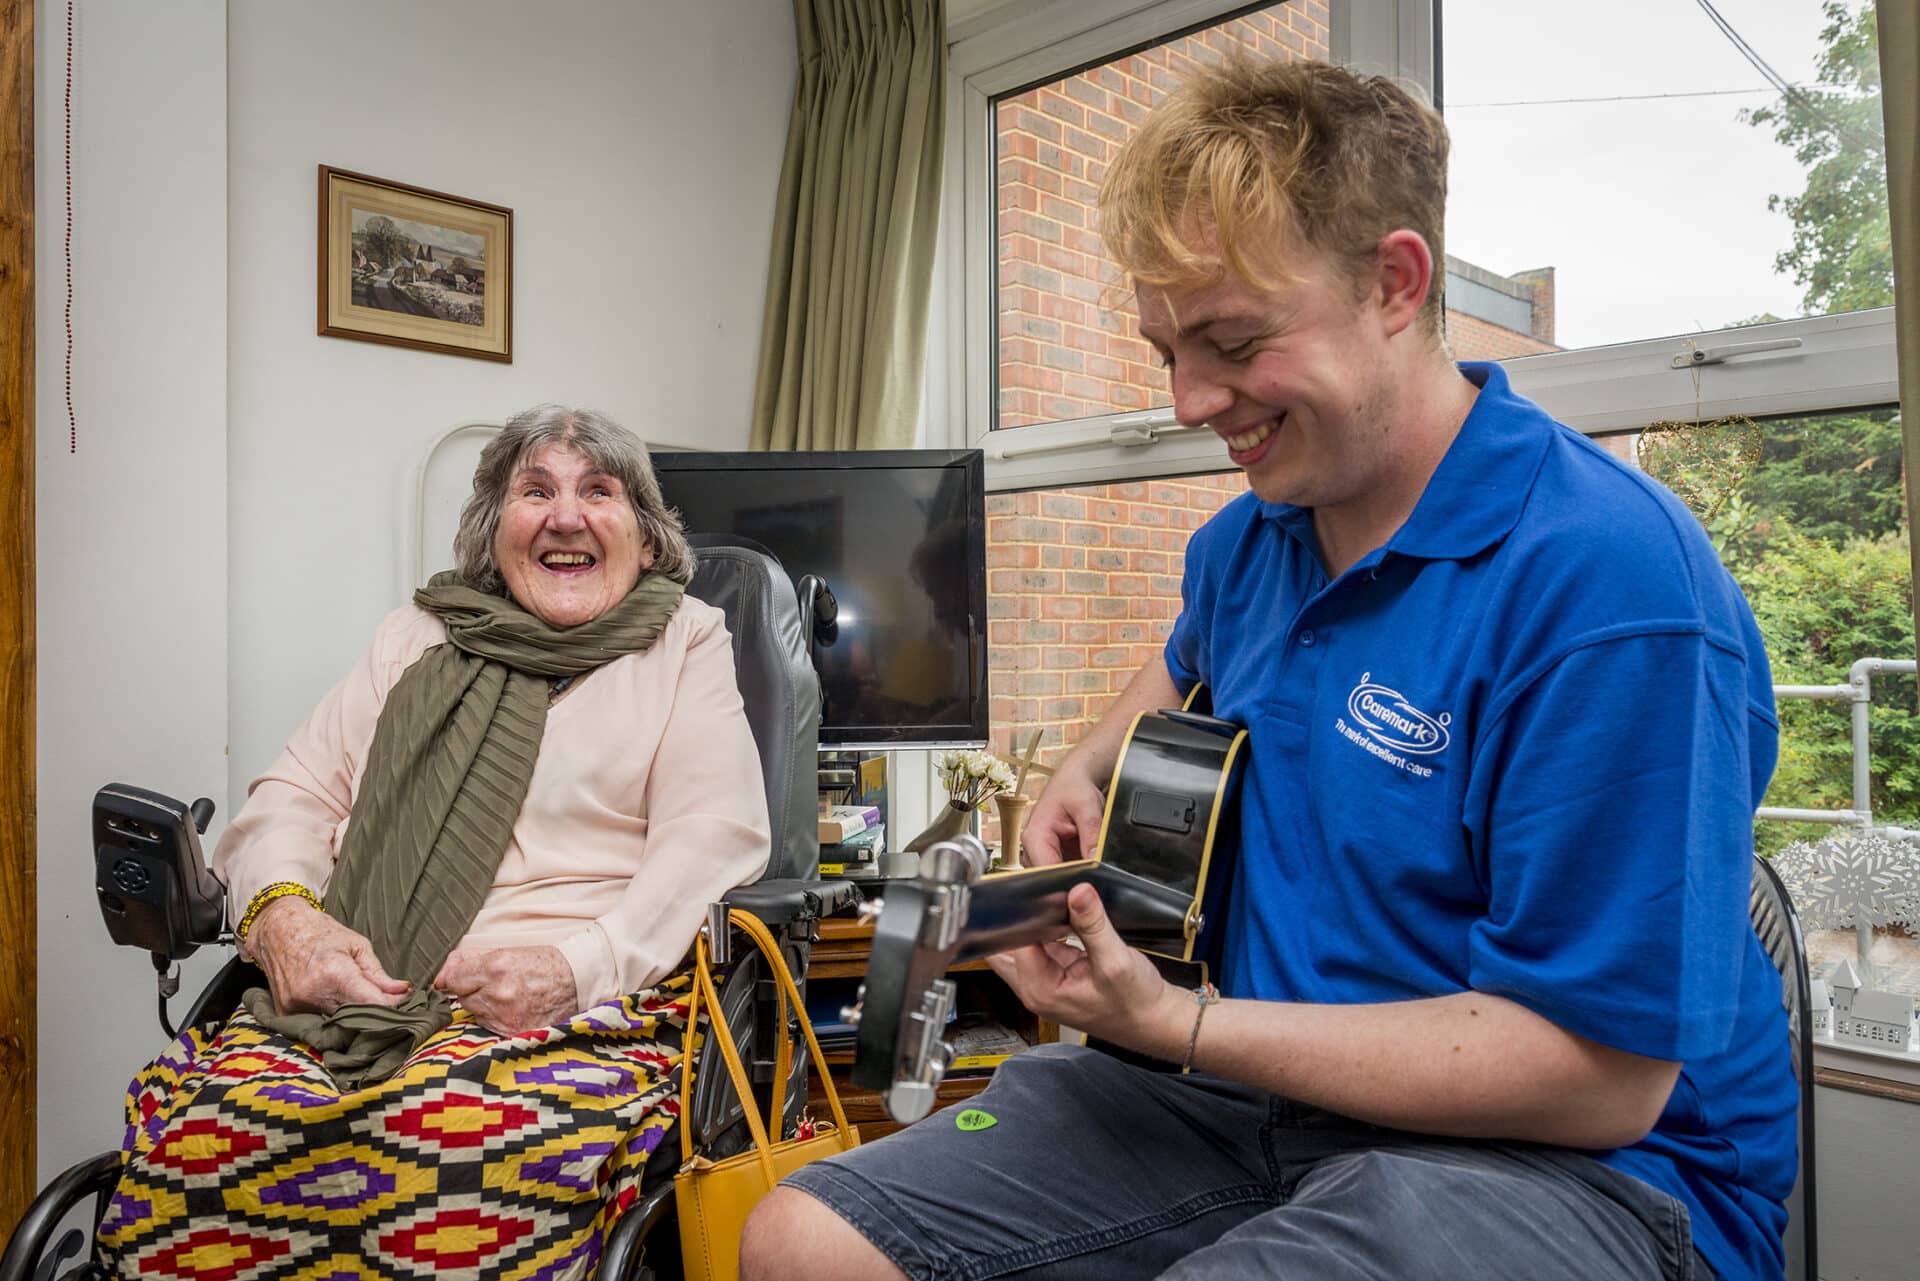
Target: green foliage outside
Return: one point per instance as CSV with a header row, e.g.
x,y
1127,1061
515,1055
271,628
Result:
x,y
1814,528
1815,535
1831,479
1821,605
1842,252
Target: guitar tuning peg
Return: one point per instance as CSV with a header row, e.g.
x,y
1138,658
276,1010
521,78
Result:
x,y
850,1014
870,910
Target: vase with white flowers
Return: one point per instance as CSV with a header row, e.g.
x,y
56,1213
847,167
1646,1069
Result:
x,y
970,779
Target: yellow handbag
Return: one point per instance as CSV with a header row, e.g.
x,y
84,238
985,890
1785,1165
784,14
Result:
x,y
713,1198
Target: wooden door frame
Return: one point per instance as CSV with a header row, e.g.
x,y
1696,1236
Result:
x,y
19,744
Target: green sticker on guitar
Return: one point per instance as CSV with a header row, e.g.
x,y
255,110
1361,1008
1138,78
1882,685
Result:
x,y
975,1119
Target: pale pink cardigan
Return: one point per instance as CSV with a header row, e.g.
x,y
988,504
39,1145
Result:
x,y
646,803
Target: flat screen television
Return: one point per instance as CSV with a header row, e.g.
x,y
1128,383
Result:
x,y
899,536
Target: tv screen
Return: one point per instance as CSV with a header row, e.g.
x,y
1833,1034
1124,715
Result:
x,y
899,536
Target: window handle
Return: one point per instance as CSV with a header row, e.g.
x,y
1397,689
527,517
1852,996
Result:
x,y
1127,430
1694,357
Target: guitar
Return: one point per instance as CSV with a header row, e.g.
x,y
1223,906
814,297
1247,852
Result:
x,y
1161,867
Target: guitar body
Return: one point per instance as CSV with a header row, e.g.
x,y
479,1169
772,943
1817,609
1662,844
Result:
x,y
1162,869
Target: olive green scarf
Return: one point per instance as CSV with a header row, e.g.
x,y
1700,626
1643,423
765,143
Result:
x,y
451,761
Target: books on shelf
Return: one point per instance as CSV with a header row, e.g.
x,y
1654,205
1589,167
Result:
x,y
983,1045
838,822
855,856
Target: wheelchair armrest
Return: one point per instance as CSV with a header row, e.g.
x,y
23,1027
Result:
x,y
96,1177
221,997
789,902
622,1254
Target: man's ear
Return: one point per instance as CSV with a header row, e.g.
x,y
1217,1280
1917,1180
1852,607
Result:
x,y
1403,277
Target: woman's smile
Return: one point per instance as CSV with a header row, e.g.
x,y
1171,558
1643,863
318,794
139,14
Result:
x,y
569,544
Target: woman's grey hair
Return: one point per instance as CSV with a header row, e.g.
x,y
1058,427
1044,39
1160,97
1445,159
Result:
x,y
610,447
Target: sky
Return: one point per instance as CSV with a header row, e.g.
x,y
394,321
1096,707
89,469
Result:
x,y
1652,212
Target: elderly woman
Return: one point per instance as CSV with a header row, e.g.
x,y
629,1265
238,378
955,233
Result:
x,y
467,880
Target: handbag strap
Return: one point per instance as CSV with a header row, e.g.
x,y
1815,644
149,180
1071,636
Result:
x,y
730,1054
704,989
763,939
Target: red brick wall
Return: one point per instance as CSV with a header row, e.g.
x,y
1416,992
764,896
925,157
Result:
x,y
1471,338
1083,586
1069,348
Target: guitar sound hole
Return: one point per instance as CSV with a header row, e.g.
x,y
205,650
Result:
x,y
1163,810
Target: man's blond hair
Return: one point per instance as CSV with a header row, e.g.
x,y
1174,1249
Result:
x,y
1262,158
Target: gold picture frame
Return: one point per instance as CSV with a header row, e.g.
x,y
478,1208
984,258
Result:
x,y
409,267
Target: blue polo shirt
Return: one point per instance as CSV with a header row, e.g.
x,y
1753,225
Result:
x,y
1516,750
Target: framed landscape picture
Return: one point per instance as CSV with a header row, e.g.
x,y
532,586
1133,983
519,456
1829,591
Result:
x,y
414,268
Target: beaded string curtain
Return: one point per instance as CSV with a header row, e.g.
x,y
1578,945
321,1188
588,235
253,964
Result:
x,y
1704,463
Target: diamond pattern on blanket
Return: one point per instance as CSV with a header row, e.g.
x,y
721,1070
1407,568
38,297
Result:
x,y
341,1186
508,1156
340,1267
203,1149
565,1167
463,1123
220,1252
456,1234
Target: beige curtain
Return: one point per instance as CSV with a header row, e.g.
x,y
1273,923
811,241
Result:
x,y
843,345
1899,23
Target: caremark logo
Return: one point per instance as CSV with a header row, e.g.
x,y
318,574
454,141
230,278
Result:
x,y
1390,720
1387,726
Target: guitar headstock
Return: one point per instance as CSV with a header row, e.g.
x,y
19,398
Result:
x,y
905,1002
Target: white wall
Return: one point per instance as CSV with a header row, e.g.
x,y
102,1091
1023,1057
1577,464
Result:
x,y
131,529
1866,1148
639,147
229,533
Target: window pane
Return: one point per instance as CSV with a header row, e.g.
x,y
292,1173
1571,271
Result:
x,y
1083,585
1654,184
1808,514
1068,345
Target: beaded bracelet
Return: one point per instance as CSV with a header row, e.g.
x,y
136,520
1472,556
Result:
x,y
279,889
1204,995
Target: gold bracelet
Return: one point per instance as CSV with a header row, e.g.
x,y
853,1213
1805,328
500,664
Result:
x,y
279,889
1204,995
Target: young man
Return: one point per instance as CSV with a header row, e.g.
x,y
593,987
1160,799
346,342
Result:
x,y
1494,1007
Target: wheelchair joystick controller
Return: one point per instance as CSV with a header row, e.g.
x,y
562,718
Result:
x,y
150,875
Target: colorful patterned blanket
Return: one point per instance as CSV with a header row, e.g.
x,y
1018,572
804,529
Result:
x,y
502,1156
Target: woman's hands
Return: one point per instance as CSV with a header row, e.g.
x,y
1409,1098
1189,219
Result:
x,y
511,989
1108,989
315,964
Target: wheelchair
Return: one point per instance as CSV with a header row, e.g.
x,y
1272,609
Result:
x,y
156,893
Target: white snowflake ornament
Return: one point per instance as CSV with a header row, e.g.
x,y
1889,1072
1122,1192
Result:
x,y
1852,878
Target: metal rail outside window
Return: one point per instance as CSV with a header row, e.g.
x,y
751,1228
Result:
x,y
1859,692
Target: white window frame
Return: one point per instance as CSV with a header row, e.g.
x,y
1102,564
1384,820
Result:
x,y
998,48
1823,364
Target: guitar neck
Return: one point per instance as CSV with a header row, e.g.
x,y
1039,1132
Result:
x,y
1157,876
1020,908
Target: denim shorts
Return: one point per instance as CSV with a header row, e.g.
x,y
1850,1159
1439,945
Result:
x,y
1093,1168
